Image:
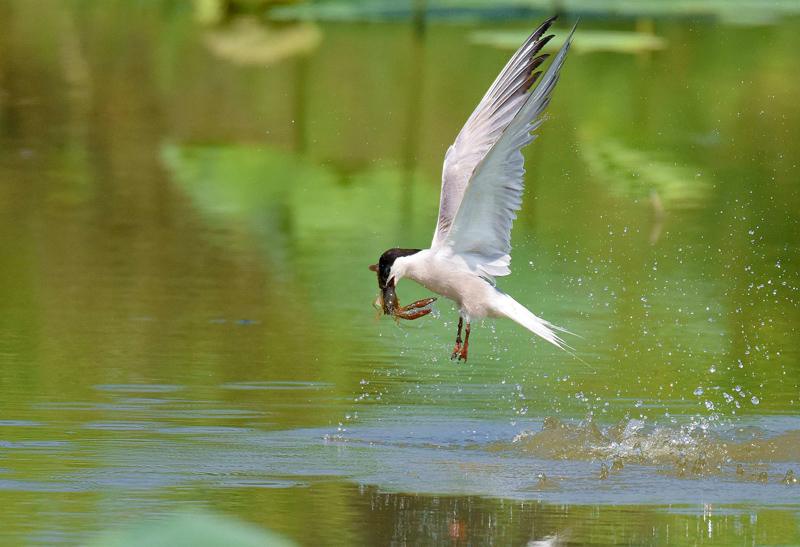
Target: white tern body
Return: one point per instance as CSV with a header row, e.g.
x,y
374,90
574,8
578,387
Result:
x,y
482,186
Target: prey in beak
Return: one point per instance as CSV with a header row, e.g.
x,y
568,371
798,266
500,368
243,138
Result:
x,y
387,300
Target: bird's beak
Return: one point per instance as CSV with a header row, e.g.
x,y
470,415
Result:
x,y
388,298
390,303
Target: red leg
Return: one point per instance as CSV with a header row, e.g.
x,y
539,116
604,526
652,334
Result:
x,y
463,354
457,349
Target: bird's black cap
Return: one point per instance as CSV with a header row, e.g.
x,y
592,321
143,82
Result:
x,y
384,265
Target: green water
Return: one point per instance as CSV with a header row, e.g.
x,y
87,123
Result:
x,y
186,221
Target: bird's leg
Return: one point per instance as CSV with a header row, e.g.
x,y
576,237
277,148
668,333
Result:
x,y
463,354
415,310
457,349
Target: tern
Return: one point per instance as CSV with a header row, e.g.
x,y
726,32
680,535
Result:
x,y
482,186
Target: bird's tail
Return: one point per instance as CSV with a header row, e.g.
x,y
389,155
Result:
x,y
508,307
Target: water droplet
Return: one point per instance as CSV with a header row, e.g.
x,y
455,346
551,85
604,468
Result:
x,y
698,391
754,400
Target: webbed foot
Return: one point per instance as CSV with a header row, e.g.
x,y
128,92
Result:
x,y
461,349
457,350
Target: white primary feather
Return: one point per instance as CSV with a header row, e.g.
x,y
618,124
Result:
x,y
480,231
494,113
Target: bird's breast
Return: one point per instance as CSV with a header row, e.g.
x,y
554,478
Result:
x,y
464,287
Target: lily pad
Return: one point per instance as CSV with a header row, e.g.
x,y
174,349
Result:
x,y
587,41
195,529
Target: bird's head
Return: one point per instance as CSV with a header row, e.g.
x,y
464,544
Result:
x,y
388,277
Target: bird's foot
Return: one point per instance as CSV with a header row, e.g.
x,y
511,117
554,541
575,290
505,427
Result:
x,y
460,351
415,310
457,350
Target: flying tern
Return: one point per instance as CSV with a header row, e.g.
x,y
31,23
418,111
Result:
x,y
482,185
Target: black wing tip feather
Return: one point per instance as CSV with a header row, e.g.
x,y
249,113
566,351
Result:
x,y
531,81
539,32
535,42
539,60
544,26
535,61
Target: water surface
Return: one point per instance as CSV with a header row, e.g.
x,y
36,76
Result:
x,y
185,229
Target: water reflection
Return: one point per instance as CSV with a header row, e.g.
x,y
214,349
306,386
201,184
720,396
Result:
x,y
184,313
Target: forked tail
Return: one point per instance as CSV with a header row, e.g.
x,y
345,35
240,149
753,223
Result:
x,y
517,312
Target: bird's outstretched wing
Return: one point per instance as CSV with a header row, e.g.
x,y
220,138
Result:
x,y
480,230
483,128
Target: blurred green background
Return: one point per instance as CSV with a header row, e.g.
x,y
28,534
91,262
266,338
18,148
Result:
x,y
191,193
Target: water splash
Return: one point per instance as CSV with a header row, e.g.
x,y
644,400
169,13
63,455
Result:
x,y
637,442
